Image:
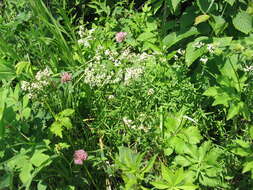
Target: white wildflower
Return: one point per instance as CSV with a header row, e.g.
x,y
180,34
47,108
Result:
x,y
133,73
127,121
210,48
198,44
25,85
248,68
203,59
151,91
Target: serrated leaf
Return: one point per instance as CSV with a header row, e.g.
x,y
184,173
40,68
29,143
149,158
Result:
x,y
56,128
201,18
211,91
65,121
233,111
66,113
39,157
193,135
167,174
243,22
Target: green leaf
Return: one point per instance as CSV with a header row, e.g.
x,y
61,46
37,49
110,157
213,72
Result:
x,y
66,113
23,66
243,22
39,158
65,121
41,186
233,111
167,174
145,36
219,24
150,165
25,174
231,2
173,37
211,91
6,180
7,72
193,53
160,185
174,4
247,166
193,135
201,18
56,129
251,132
26,113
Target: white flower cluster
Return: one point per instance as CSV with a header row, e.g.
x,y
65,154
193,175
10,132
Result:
x,y
210,48
41,81
130,123
203,59
198,44
248,68
180,52
85,36
111,67
133,73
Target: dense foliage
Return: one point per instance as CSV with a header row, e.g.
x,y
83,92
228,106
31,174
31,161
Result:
x,y
134,95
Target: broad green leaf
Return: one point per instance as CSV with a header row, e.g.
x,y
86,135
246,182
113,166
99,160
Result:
x,y
26,113
201,18
193,135
56,128
219,24
243,22
65,121
248,166
233,111
222,99
25,174
211,91
38,158
182,161
66,113
168,151
193,52
160,185
7,72
145,36
23,66
173,37
167,174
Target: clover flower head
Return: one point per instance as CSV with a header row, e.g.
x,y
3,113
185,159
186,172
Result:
x,y
120,36
80,156
66,77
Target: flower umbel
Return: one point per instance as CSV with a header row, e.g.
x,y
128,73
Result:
x,y
120,36
66,77
80,156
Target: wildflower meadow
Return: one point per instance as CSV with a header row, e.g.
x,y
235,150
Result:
x,y
126,94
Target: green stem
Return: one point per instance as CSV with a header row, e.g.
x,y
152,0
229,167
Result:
x,y
93,182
